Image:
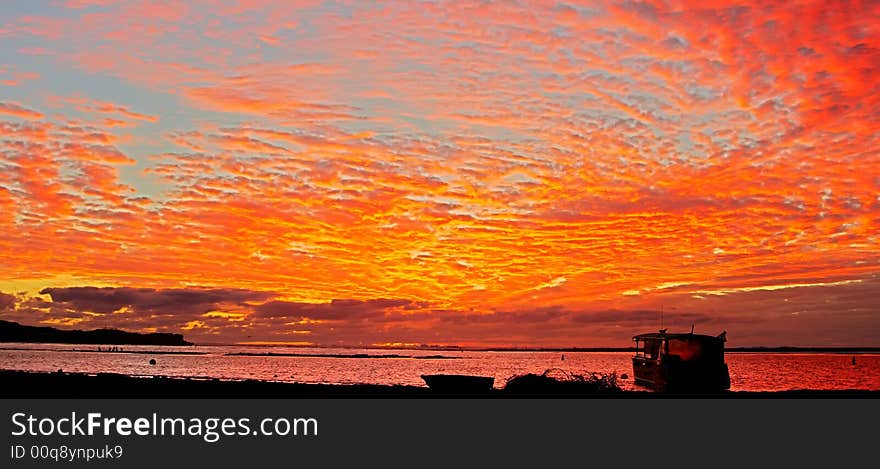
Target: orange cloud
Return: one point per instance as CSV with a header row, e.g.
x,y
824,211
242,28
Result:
x,y
534,174
16,110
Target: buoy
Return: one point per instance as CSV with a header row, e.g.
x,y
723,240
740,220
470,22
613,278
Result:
x,y
152,361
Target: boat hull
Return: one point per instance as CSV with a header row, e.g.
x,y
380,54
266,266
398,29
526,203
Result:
x,y
672,375
459,383
647,372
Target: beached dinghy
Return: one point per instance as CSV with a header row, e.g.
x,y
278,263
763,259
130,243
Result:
x,y
459,383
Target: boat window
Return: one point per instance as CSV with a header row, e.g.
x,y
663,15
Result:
x,y
651,348
686,349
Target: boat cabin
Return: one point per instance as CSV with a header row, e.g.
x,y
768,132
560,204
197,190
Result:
x,y
680,361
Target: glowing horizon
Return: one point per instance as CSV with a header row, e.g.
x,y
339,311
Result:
x,y
515,174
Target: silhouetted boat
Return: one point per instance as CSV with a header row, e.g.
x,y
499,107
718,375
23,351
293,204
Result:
x,y
681,362
459,383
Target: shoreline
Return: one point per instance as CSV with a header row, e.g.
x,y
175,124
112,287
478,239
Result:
x,y
394,352
65,385
108,351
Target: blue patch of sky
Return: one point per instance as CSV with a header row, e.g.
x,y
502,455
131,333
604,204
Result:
x,y
13,10
67,81
585,11
701,93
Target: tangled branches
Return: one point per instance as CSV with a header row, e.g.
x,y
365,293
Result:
x,y
558,381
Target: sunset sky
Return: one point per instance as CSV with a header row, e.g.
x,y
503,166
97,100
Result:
x,y
522,173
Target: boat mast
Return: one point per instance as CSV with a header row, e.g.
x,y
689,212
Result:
x,y
661,316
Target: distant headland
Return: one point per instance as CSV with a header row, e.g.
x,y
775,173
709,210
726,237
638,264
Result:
x,y
15,332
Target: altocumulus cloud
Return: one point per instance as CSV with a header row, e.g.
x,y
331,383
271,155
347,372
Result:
x,y
336,309
182,301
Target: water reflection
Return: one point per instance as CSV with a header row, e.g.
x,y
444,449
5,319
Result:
x,y
748,371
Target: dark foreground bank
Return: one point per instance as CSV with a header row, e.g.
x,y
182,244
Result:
x,y
24,384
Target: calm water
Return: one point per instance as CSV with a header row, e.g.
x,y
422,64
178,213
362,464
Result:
x,y
748,371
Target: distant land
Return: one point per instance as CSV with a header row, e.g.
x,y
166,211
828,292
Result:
x,y
758,349
338,355
15,332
